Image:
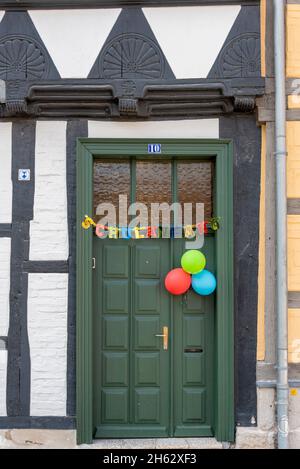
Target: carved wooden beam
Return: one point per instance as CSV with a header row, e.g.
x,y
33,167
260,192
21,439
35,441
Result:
x,y
128,98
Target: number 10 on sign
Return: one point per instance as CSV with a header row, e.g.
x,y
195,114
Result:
x,y
154,148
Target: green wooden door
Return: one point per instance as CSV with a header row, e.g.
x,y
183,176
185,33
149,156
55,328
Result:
x,y
142,388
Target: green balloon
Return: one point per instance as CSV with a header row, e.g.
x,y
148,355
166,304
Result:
x,y
193,261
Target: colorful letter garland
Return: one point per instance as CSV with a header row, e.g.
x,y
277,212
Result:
x,y
115,232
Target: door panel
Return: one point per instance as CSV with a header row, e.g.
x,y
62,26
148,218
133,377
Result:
x,y
116,260
147,369
115,296
115,369
147,261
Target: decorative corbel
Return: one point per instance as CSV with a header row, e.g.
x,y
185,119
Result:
x,y
128,106
244,103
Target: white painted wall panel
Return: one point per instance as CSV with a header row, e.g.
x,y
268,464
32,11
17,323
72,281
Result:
x,y
201,128
5,172
191,37
3,367
49,228
4,284
74,38
47,332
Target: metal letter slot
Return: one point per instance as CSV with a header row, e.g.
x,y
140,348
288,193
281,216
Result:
x,y
193,350
165,335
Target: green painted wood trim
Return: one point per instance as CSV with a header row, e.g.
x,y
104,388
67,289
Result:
x,y
221,150
224,430
84,171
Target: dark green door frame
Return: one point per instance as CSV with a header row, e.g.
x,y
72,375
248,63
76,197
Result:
x,y
221,152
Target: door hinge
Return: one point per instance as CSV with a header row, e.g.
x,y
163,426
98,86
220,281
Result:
x,y
93,262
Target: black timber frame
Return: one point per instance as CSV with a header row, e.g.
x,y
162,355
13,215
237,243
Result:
x,y
39,4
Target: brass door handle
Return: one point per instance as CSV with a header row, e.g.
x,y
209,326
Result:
x,y
165,336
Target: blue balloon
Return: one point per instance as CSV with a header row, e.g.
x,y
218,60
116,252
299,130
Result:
x,y
204,283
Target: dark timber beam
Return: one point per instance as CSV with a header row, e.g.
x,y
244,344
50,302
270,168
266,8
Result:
x,y
30,4
18,354
5,230
45,267
55,423
91,98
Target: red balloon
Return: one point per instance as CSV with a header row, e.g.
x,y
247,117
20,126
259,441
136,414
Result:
x,y
177,281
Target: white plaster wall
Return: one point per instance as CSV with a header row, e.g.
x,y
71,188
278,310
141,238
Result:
x,y
74,38
49,228
201,128
182,31
3,366
5,172
47,332
5,244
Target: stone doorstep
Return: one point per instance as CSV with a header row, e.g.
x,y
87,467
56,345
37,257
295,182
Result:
x,y
155,443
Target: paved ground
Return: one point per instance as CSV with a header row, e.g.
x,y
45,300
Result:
x,y
44,439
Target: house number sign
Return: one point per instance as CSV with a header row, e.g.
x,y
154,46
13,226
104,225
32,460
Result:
x,y
154,148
